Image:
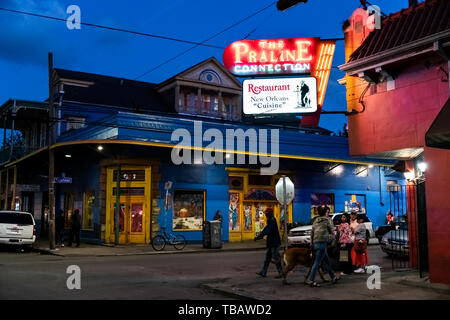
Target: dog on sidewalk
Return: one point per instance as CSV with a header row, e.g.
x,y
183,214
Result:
x,y
298,256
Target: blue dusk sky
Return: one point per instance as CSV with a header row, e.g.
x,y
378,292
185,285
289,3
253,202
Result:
x,y
26,40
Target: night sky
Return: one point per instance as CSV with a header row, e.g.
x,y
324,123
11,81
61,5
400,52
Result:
x,y
26,40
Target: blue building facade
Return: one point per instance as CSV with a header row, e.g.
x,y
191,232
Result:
x,y
122,136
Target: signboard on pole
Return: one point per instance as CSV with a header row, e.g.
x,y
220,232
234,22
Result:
x,y
62,180
271,57
282,95
289,189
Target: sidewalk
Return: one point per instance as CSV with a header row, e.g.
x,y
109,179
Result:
x,y
394,286
103,250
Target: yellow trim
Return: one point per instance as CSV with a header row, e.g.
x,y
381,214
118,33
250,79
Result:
x,y
146,201
167,145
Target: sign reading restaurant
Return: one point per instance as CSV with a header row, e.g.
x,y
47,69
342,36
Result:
x,y
283,95
271,57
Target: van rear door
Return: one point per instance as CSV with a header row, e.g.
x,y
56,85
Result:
x,y
16,225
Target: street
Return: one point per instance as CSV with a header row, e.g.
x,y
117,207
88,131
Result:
x,y
35,276
147,277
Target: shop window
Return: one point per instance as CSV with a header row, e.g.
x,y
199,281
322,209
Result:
x,y
188,210
88,210
355,203
321,199
130,191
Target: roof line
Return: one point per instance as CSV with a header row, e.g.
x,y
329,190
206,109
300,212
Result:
x,y
168,145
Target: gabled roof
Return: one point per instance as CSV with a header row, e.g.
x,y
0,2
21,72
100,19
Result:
x,y
211,60
406,26
97,89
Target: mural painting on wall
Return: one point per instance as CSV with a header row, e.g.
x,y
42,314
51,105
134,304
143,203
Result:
x,y
188,209
247,218
319,199
260,222
233,211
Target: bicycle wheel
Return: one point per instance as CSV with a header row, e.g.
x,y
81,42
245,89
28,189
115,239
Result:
x,y
179,242
158,243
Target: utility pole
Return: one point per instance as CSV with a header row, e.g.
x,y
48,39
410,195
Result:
x,y
51,156
118,208
285,214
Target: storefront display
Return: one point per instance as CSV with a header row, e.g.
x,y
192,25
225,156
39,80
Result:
x,y
188,210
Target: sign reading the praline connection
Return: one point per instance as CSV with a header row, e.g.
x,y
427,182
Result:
x,y
285,95
271,57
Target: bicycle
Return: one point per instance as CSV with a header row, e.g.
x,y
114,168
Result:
x,y
162,238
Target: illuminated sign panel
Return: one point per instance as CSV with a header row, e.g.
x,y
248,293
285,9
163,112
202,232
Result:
x,y
283,95
271,57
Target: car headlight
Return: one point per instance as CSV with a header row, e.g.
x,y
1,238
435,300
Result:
x,y
384,240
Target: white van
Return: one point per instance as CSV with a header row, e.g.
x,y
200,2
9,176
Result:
x,y
17,228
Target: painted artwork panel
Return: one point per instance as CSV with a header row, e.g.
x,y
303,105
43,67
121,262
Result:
x,y
233,212
188,209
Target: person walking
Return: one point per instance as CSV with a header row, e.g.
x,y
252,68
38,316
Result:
x,y
359,252
76,227
59,227
320,234
345,244
273,243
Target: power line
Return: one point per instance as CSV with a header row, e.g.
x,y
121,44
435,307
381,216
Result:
x,y
114,29
213,36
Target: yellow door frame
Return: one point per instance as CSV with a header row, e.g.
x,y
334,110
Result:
x,y
241,234
146,205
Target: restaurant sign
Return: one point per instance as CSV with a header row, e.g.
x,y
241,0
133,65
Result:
x,y
283,95
271,57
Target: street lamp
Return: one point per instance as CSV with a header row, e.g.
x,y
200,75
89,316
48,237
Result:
x,y
422,166
283,5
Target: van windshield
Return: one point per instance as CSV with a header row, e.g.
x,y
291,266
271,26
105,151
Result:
x,y
15,218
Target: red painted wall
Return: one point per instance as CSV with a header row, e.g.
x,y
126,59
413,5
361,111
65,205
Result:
x,y
399,118
438,213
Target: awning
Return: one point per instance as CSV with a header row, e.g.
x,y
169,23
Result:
x,y
438,135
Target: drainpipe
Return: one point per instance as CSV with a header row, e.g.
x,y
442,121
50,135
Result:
x,y
379,180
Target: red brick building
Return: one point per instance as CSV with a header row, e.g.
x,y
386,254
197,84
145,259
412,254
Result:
x,y
397,83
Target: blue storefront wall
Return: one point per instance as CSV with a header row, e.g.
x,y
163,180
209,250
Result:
x,y
342,186
211,178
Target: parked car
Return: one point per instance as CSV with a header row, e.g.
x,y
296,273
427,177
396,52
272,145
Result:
x,y
396,242
17,228
301,236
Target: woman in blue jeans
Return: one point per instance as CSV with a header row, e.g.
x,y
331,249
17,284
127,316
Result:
x,y
321,231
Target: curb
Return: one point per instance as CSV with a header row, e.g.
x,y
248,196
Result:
x,y
52,252
227,293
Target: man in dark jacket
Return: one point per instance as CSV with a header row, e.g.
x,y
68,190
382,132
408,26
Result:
x,y
76,227
273,244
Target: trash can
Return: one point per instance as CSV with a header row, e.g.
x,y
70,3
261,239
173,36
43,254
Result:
x,y
212,234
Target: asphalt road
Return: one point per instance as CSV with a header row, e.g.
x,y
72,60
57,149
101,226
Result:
x,y
175,276
171,276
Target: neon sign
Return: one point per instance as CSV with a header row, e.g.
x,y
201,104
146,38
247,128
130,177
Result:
x,y
271,57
